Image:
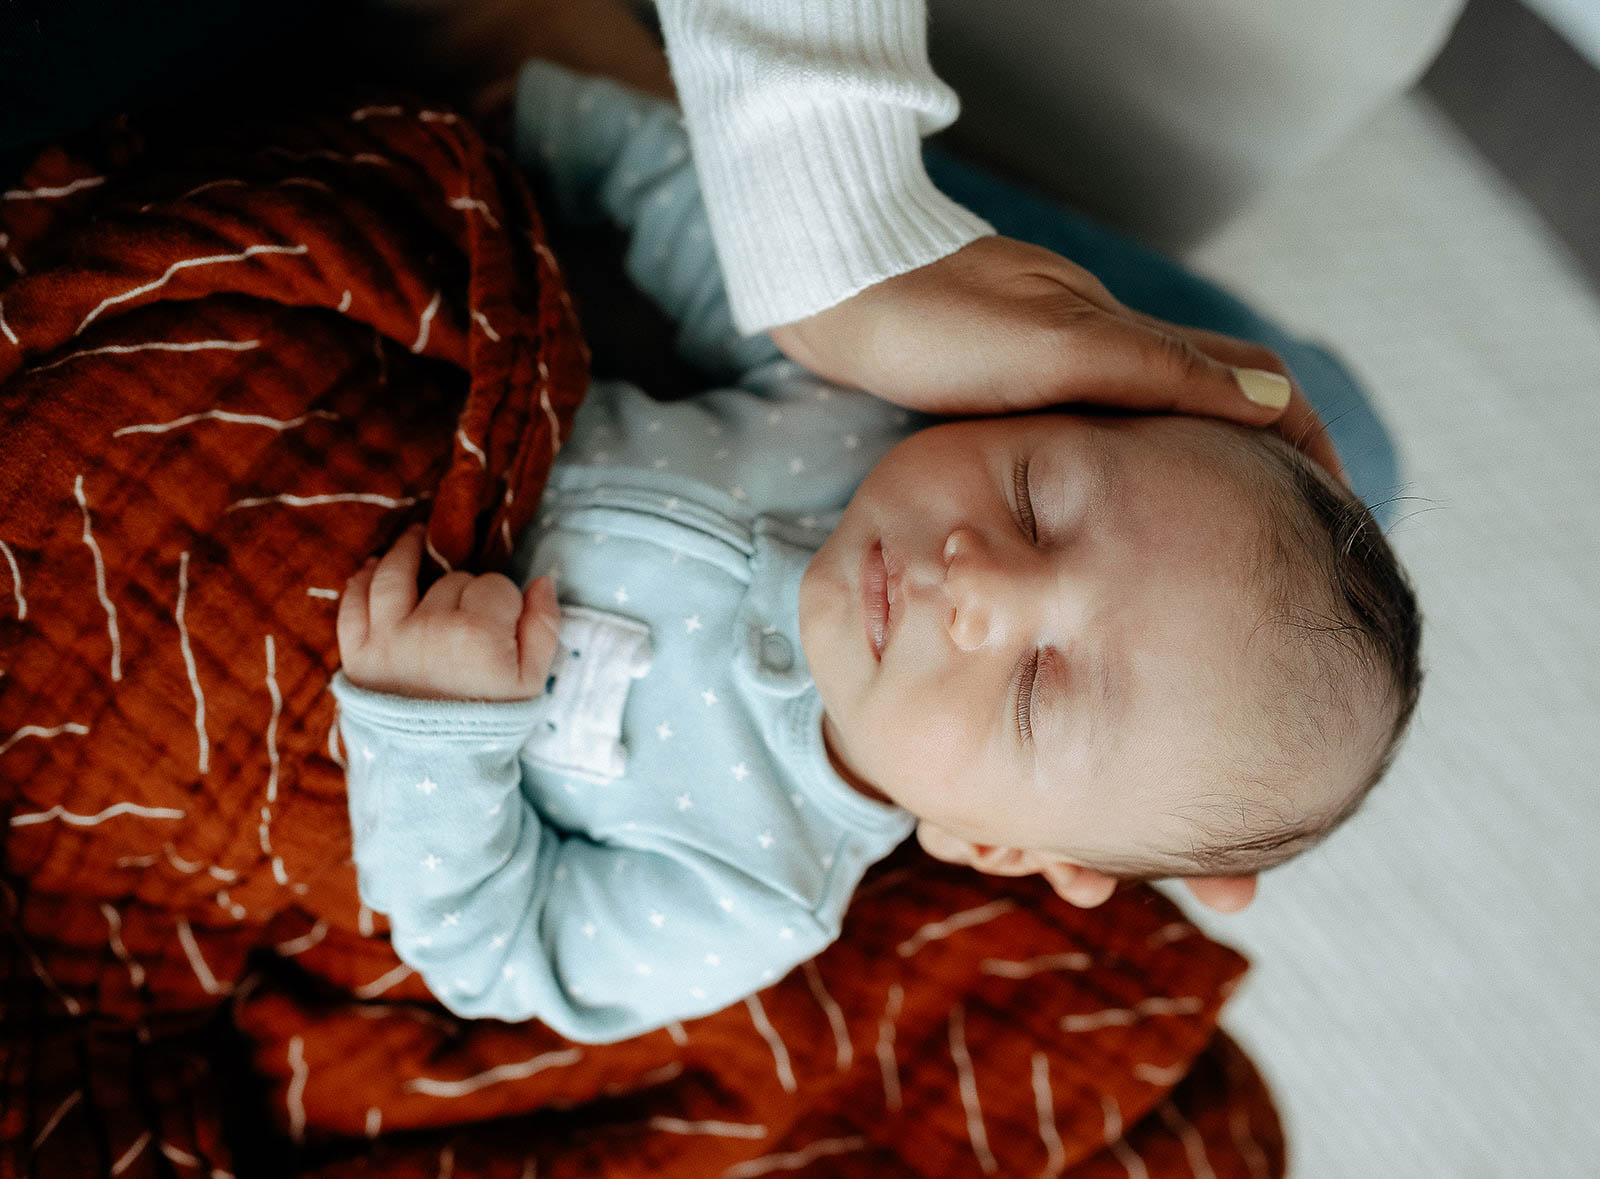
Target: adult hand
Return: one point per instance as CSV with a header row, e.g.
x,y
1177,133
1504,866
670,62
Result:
x,y
471,637
1001,326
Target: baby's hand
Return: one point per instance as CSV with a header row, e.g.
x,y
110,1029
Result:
x,y
471,637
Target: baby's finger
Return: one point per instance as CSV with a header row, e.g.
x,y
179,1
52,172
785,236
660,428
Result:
x,y
353,624
538,633
444,595
394,581
494,597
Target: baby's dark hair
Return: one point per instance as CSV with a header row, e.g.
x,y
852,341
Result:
x,y
1336,593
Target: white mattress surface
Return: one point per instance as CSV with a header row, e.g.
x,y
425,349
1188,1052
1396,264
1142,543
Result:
x,y
1424,995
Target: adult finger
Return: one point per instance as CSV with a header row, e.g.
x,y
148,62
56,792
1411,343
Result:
x,y
394,581
1123,361
1300,423
353,624
538,633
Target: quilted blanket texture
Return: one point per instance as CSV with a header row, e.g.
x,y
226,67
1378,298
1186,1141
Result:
x,y
238,355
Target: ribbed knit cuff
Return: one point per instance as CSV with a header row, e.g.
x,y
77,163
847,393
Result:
x,y
806,120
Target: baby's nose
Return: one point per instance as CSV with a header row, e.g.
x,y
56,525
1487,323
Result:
x,y
982,596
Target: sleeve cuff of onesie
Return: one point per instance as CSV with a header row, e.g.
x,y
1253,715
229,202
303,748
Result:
x,y
436,720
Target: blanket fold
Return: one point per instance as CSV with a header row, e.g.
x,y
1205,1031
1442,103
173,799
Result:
x,y
231,367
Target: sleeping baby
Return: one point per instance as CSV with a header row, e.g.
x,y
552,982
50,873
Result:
x,y
770,631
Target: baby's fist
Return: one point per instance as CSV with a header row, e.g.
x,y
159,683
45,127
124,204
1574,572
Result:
x,y
471,637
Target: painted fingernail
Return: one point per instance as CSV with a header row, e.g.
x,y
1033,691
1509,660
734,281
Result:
x,y
1263,387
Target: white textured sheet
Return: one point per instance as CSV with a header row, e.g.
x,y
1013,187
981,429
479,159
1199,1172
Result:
x,y
1424,996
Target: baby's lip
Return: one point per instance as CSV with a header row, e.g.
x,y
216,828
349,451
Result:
x,y
875,598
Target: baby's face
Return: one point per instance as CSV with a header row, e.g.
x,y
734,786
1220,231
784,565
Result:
x,y
1041,632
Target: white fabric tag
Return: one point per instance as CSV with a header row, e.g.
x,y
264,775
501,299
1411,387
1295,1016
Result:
x,y
599,657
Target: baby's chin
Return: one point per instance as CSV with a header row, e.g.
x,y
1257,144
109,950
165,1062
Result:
x,y
832,743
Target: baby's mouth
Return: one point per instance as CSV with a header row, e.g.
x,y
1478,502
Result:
x,y
875,598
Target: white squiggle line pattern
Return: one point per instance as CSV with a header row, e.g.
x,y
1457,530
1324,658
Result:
x,y
1045,1106
466,203
555,423
793,1160
16,262
328,595
383,982
294,1099
482,321
780,1051
367,112
935,930
714,1128
1125,1154
222,415
1122,1016
968,1083
204,739
133,1152
472,448
166,277
16,581
305,941
28,194
425,327
1006,968
181,1157
197,962
42,731
100,582
114,920
887,1066
374,1121
122,808
61,1112
1193,1145
344,302
153,346
1171,932
272,722
308,501
843,1053
1165,1077
505,1072
437,556
6,327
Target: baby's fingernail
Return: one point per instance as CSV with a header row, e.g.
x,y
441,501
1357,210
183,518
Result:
x,y
1263,387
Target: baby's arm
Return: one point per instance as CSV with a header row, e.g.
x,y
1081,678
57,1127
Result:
x,y
503,915
608,151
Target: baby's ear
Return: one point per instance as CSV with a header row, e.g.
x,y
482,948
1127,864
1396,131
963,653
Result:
x,y
1073,883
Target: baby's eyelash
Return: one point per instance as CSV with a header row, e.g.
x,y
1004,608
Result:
x,y
1019,485
1025,699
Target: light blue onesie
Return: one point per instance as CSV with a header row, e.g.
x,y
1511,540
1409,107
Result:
x,y
661,834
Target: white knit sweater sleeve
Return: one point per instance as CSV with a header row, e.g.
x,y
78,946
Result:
x,y
806,119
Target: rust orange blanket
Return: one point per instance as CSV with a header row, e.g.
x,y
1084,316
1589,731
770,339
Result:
x,y
230,368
